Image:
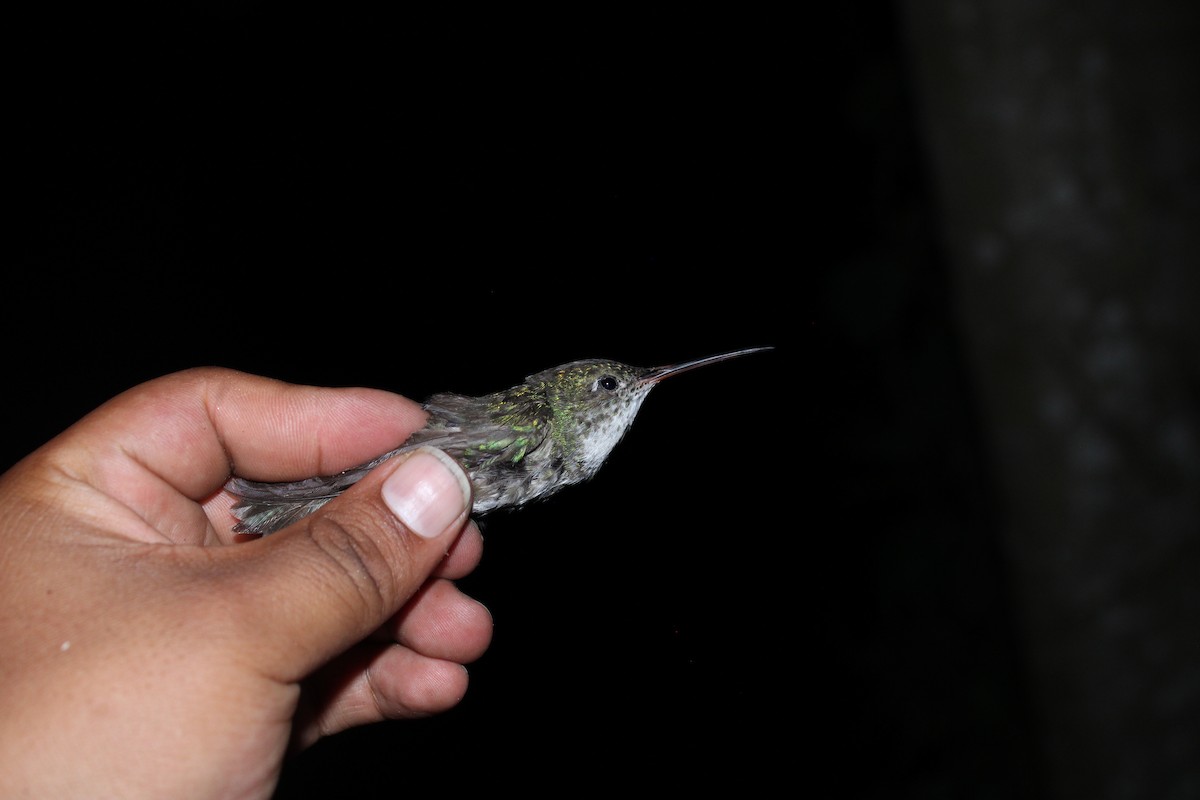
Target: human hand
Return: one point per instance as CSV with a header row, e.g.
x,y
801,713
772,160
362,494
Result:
x,y
145,654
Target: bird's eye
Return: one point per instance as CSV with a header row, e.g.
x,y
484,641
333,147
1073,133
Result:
x,y
608,382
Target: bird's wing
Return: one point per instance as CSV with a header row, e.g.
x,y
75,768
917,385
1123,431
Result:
x,y
503,439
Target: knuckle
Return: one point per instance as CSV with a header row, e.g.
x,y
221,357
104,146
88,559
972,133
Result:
x,y
369,562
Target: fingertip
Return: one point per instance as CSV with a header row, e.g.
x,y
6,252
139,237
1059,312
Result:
x,y
464,554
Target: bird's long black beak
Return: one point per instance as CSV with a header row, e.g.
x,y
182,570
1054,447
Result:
x,y
656,374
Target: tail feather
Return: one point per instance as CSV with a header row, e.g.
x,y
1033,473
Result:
x,y
266,507
268,516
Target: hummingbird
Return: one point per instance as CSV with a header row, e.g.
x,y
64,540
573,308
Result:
x,y
554,429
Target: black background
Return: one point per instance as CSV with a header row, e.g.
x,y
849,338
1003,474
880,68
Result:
x,y
786,572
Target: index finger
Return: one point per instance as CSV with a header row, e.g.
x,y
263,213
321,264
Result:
x,y
194,429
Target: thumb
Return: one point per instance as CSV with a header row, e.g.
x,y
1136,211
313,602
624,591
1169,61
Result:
x,y
326,582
